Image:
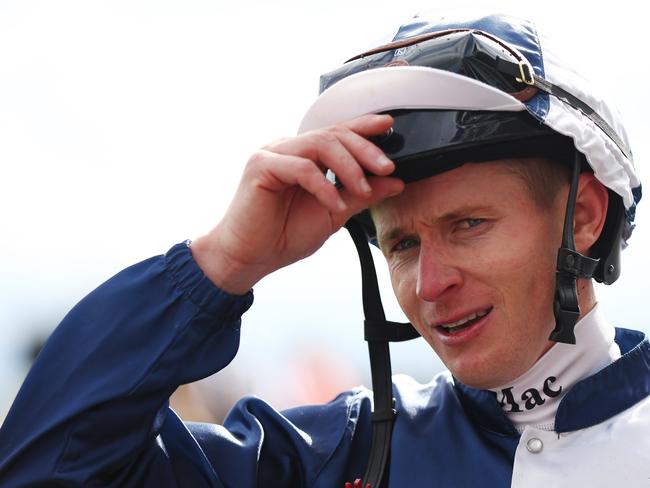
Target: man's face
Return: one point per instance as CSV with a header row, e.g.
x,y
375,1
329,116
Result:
x,y
472,263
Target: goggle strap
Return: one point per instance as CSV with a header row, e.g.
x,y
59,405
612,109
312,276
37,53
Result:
x,y
523,73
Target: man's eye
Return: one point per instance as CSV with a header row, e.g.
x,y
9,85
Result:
x,y
405,244
470,223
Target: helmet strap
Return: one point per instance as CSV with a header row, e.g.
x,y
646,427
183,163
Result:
x,y
378,332
571,265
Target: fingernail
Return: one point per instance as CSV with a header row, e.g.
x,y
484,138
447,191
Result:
x,y
341,206
364,186
384,162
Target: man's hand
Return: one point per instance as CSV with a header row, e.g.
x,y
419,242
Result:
x,y
285,209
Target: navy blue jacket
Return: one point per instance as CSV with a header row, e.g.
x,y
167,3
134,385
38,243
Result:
x,y
93,410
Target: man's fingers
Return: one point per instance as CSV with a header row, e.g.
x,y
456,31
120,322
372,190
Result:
x,y
276,172
344,149
382,188
368,154
370,125
280,171
334,155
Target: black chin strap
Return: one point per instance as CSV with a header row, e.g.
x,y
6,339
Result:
x,y
571,265
378,332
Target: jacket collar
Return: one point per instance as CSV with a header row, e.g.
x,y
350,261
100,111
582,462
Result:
x,y
592,400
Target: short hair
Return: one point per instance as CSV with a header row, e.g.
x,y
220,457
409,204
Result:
x,y
543,177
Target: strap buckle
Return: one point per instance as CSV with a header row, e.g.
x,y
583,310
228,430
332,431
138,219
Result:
x,y
525,74
572,262
566,319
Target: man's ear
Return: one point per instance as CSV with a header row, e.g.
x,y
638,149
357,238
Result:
x,y
590,212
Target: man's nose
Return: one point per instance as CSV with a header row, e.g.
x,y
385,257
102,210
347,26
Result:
x,y
437,275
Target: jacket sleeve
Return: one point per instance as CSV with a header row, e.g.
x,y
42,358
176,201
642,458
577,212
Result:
x,y
93,410
96,397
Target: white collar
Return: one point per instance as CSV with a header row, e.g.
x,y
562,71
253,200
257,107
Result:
x,y
533,398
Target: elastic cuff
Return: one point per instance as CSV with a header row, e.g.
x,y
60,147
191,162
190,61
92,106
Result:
x,y
199,289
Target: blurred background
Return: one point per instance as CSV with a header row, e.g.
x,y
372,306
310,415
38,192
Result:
x,y
124,126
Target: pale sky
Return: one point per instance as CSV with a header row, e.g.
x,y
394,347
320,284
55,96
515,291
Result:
x,y
124,126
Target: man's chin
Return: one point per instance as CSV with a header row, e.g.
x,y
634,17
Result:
x,y
482,376
478,383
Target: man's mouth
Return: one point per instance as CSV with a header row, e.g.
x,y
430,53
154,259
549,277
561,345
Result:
x,y
464,323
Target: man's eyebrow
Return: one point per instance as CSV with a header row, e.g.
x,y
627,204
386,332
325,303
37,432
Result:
x,y
463,212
